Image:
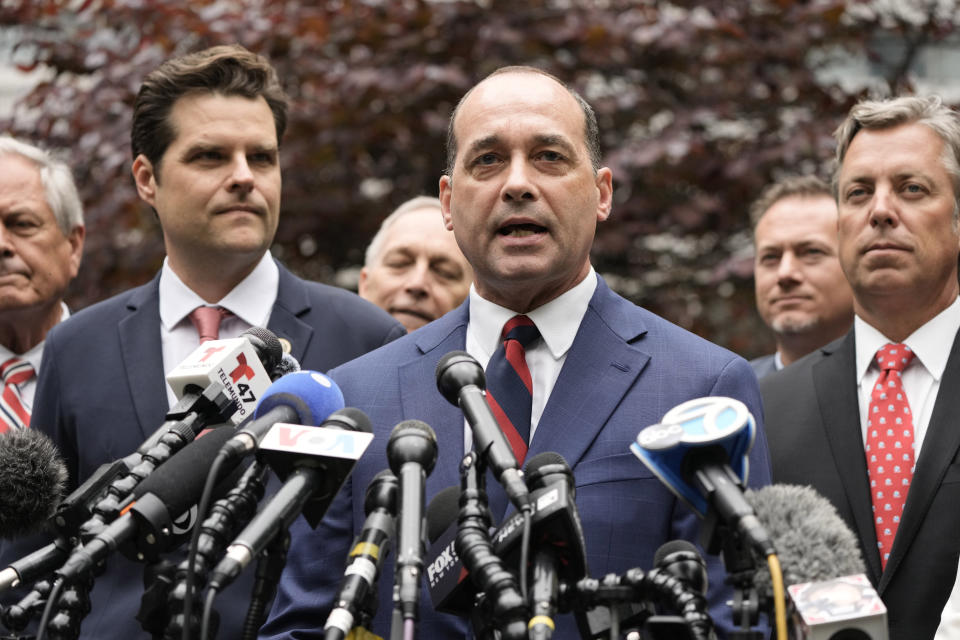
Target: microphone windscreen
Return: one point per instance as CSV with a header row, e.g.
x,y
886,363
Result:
x,y
287,364
673,546
812,540
442,512
267,345
179,481
312,395
32,480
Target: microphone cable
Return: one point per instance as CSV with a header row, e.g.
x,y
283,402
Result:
x,y
48,609
779,596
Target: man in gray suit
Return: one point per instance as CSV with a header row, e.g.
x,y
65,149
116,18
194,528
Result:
x,y
801,292
870,420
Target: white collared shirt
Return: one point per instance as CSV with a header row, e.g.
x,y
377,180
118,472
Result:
x,y
921,380
34,356
251,302
558,322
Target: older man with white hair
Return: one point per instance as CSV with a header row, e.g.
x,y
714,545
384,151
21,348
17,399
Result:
x,y
41,243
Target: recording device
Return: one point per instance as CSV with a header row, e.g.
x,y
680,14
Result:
x,y
700,452
821,563
369,551
313,462
32,480
461,380
302,397
412,453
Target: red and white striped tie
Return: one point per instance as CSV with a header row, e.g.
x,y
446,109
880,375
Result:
x,y
13,413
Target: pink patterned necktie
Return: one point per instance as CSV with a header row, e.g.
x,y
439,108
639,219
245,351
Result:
x,y
13,413
889,445
207,321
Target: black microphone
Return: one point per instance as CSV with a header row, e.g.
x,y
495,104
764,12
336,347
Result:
x,y
367,556
166,494
815,546
314,462
32,480
682,560
412,453
287,364
461,380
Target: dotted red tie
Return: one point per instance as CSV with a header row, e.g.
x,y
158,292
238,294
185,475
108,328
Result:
x,y
206,320
509,385
889,445
13,412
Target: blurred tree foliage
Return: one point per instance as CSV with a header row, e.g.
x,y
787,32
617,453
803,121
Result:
x,y
700,104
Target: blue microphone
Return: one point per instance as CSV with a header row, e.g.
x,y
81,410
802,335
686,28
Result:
x,y
700,452
303,397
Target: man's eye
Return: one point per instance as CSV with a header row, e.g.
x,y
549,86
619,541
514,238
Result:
x,y
486,159
551,156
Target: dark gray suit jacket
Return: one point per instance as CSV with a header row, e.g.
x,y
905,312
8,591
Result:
x,y
764,365
812,419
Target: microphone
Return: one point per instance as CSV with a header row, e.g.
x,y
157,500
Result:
x,y
682,560
445,570
816,550
700,452
287,364
314,462
163,496
303,397
32,481
369,551
412,453
461,381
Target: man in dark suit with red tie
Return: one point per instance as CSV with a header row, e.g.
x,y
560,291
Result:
x,y
870,420
524,192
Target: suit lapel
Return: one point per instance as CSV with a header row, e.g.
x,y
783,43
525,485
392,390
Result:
x,y
420,399
939,448
143,357
292,301
600,368
834,379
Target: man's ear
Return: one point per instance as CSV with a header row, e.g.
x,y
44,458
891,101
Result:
x,y
446,190
145,178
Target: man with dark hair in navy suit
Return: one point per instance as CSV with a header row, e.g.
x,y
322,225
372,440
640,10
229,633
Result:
x,y
206,145
524,192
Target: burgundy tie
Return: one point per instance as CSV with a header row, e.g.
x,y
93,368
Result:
x,y
509,384
207,320
13,413
889,445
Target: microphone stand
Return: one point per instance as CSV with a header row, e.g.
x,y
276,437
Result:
x,y
741,565
270,565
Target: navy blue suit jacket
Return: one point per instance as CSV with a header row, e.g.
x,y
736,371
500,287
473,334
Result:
x,y
626,368
102,392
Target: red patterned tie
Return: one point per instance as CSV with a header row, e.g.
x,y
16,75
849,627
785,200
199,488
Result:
x,y
207,320
509,385
889,445
13,414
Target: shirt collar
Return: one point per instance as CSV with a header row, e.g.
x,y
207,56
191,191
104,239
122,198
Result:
x,y
926,342
251,300
558,320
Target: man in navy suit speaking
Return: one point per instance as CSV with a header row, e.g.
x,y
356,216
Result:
x,y
206,137
523,193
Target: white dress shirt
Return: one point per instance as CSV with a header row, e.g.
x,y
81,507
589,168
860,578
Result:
x,y
558,322
921,379
34,356
250,302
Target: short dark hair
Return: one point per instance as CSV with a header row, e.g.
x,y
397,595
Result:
x,y
591,130
227,69
802,186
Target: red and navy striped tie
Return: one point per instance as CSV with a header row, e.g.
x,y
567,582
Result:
x,y
509,385
13,413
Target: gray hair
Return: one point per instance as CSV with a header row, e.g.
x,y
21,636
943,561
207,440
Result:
x,y
801,186
414,204
884,114
58,186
